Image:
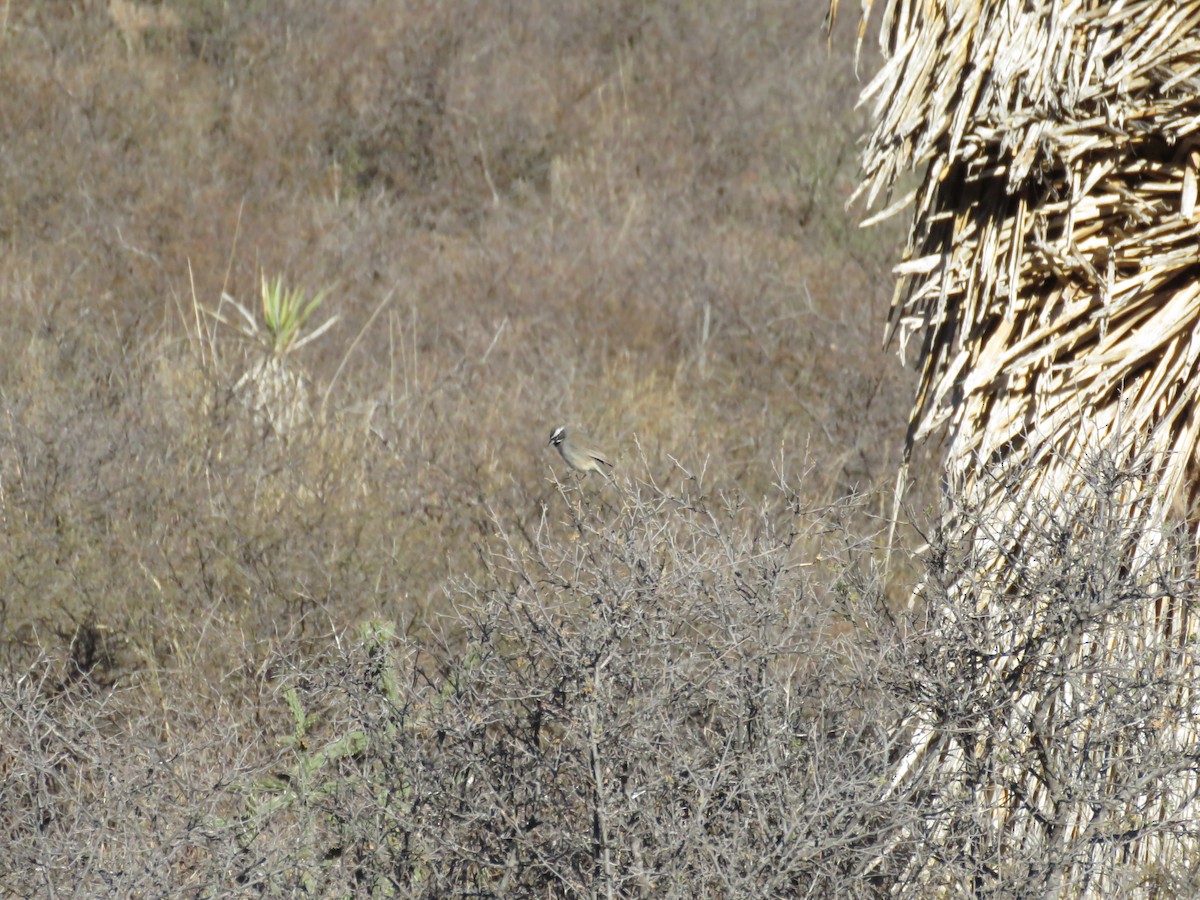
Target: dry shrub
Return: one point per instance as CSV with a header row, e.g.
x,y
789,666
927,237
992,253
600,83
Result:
x,y
666,705
1050,690
644,691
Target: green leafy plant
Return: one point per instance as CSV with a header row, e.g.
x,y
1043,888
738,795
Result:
x,y
285,311
314,770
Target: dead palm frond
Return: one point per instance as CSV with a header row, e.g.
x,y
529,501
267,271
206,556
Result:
x,y
1051,279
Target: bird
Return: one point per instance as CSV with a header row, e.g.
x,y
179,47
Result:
x,y
579,452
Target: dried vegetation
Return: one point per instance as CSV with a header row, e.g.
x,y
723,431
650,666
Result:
x,y
1050,287
627,216
282,617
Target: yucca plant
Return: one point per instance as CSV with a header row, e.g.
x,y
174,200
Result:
x,y
285,313
1052,285
274,388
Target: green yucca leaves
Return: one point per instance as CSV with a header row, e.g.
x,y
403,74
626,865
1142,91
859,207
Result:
x,y
284,313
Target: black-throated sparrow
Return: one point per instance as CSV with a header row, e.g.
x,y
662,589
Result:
x,y
579,452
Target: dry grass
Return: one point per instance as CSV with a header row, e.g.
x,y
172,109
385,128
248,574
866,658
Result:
x,y
620,215
520,219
